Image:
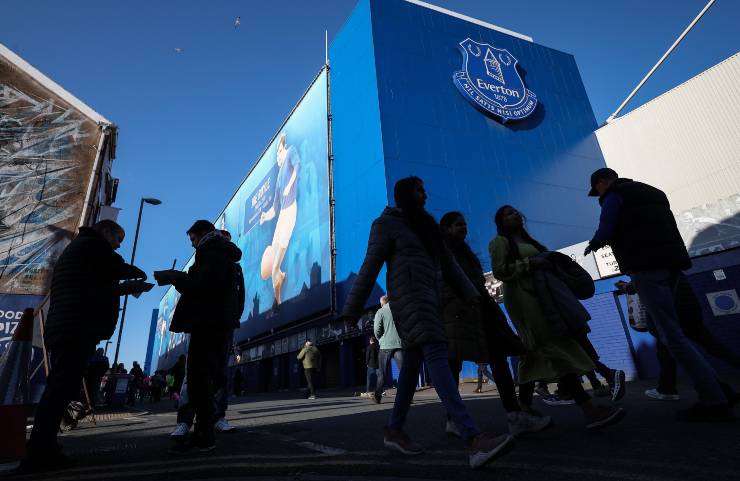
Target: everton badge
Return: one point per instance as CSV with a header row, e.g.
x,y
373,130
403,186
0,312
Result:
x,y
489,80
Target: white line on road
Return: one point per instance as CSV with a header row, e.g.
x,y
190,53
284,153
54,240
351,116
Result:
x,y
321,448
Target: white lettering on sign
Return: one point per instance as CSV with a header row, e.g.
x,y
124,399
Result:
x,y
496,88
606,262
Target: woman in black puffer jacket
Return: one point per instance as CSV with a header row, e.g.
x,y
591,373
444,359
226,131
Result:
x,y
409,241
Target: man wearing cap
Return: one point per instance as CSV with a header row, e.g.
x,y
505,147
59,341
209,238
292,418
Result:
x,y
637,222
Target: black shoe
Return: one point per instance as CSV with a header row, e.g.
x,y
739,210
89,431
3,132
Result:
x,y
377,397
206,444
48,461
703,413
181,448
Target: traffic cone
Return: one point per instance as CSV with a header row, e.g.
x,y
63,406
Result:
x,y
15,370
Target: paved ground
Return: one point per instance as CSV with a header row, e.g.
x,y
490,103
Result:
x,y
283,437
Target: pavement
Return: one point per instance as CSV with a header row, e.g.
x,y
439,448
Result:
x,y
281,436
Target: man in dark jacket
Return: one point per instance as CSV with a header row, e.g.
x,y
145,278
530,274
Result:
x,y
83,310
209,309
637,222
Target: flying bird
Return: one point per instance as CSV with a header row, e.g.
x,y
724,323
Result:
x,y
237,22
179,50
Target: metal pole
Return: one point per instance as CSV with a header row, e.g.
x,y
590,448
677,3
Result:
x,y
125,299
662,59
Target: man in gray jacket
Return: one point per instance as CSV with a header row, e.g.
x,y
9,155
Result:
x,y
389,342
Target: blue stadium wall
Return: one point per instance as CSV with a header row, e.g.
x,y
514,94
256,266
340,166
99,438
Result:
x,y
396,112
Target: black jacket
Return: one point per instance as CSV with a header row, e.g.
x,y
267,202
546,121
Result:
x,y
646,236
212,298
413,280
476,334
371,355
85,295
559,291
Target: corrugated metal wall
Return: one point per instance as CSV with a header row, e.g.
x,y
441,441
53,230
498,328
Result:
x,y
687,142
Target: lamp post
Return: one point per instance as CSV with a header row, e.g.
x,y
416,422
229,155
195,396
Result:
x,y
147,200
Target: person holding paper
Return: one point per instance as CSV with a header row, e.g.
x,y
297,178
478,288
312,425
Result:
x,y
83,310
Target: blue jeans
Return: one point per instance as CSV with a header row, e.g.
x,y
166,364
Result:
x,y
435,357
371,373
657,292
384,362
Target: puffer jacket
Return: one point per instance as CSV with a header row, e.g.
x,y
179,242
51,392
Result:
x,y
212,298
476,334
85,294
413,280
559,291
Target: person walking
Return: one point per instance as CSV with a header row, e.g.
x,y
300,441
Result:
x,y
408,240
209,309
637,222
549,354
371,361
136,383
389,344
83,310
481,334
310,356
690,317
238,382
99,364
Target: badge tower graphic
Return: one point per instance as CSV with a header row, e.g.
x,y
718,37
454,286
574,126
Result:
x,y
489,80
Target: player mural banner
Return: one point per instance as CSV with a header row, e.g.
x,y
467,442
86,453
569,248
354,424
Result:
x,y
279,218
47,150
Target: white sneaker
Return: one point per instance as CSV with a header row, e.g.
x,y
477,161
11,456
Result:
x,y
181,430
452,430
655,394
222,425
523,423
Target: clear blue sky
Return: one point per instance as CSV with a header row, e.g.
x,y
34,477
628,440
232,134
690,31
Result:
x,y
192,123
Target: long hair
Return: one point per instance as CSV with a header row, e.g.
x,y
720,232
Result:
x,y
420,221
502,230
461,249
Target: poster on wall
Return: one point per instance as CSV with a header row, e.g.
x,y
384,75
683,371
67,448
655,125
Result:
x,y
279,218
47,150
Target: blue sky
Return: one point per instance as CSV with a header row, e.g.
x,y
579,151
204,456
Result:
x,y
192,123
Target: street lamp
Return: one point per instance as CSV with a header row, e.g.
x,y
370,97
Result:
x,y
147,200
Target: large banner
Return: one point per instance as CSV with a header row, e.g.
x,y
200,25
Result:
x,y
11,310
47,150
279,218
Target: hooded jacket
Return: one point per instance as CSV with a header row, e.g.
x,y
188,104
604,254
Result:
x,y
212,291
85,295
413,280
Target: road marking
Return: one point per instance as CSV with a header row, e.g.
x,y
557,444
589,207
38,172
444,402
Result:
x,y
321,448
327,462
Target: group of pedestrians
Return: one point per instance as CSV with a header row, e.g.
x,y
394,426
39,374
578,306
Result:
x,y
444,315
438,312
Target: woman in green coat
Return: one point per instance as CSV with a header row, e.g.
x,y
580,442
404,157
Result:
x,y
550,356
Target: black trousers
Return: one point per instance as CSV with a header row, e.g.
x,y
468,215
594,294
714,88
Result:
x,y
206,354
68,364
186,411
585,343
310,372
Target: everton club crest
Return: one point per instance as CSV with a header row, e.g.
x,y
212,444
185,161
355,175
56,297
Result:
x,y
490,81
